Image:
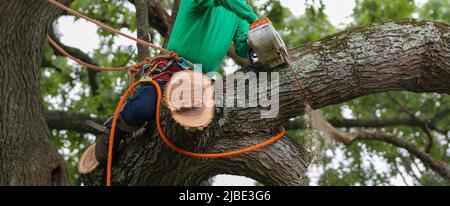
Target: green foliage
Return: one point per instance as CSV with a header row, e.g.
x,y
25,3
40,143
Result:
x,y
369,11
363,157
436,10
65,87
311,26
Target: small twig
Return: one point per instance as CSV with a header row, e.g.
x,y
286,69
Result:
x,y
408,168
425,127
401,173
427,131
49,64
404,108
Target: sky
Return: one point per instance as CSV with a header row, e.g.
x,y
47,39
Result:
x,y
338,11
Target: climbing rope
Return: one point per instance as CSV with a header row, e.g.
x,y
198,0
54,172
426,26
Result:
x,y
151,80
115,31
133,69
164,137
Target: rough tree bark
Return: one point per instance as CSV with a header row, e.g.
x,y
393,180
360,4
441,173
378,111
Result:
x,y
142,28
403,55
27,155
158,17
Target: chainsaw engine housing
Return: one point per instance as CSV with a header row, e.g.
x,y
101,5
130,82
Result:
x,y
267,43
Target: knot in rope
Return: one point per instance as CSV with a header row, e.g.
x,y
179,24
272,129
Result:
x,y
147,60
174,55
134,68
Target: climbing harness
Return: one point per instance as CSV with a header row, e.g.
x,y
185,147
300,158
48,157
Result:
x,y
152,80
153,69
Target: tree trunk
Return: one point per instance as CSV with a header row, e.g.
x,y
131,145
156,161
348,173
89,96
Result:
x,y
142,28
404,55
27,154
407,55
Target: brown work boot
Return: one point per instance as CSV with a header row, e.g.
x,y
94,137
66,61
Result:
x,y
102,144
102,147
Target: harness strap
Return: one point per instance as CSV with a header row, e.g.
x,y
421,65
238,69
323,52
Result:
x,y
164,137
122,125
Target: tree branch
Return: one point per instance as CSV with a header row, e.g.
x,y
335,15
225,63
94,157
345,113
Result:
x,y
48,63
437,166
173,16
402,55
158,17
77,122
142,28
282,163
364,123
425,126
104,19
77,53
71,122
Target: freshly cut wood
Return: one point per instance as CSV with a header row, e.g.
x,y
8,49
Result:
x,y
88,162
189,96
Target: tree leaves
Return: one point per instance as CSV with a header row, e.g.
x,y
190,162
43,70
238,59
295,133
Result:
x,y
362,163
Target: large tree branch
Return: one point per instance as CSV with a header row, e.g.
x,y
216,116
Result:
x,y
72,122
365,123
77,122
282,163
404,55
104,19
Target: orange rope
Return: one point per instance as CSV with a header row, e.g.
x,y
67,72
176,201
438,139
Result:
x,y
133,69
91,66
115,31
164,137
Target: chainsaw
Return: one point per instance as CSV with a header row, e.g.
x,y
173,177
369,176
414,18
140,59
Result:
x,y
266,45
